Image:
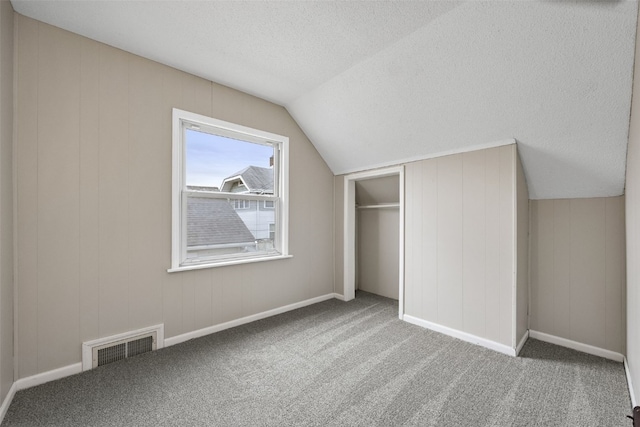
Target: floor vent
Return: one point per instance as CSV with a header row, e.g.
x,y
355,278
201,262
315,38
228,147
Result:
x,y
111,349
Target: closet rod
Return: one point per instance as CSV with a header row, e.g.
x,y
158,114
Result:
x,y
379,206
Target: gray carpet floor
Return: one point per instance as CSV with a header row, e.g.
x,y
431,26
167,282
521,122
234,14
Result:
x,y
335,364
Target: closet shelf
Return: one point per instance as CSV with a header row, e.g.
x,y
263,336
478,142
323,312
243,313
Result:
x,y
379,206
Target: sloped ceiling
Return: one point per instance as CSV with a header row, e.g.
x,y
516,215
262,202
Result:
x,y
377,83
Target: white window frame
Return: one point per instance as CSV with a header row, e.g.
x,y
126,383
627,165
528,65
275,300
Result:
x,y
270,229
264,204
181,119
246,204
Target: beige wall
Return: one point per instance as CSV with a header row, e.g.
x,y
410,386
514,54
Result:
x,y
6,198
94,201
381,190
338,236
522,255
632,202
578,270
378,233
459,266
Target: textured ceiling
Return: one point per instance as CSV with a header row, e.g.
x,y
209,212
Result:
x,y
376,83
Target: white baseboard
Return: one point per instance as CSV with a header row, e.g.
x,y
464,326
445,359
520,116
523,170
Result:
x,y
45,377
7,401
244,320
523,340
76,368
632,394
339,296
464,336
585,348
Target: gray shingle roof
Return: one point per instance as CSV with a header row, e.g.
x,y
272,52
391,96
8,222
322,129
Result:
x,y
257,179
214,222
201,188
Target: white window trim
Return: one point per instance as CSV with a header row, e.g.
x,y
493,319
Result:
x,y
282,182
245,205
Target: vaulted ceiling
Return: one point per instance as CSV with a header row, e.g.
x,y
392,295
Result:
x,y
378,83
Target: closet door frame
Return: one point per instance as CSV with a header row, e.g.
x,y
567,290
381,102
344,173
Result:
x,y
349,250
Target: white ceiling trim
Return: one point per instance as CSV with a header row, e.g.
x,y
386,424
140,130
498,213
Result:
x,y
461,150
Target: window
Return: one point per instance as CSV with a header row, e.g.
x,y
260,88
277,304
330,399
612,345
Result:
x,y
222,174
272,231
241,204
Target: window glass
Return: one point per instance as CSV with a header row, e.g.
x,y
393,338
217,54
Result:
x,y
212,158
231,205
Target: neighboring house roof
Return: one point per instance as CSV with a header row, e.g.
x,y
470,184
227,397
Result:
x,y
256,179
201,188
214,222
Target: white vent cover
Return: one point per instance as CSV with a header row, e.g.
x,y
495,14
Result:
x,y
116,347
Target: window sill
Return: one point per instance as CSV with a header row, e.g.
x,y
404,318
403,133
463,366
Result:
x,y
225,263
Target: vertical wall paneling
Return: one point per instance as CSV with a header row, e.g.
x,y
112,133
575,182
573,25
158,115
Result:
x,y
338,243
522,253
202,306
562,279
615,277
114,168
89,195
249,279
259,288
172,283
577,270
588,286
270,289
459,230
378,255
27,197
58,197
450,240
492,245
377,236
93,221
460,243
474,231
188,295
348,265
144,196
426,227
411,280
232,294
217,294
6,199
541,266
507,249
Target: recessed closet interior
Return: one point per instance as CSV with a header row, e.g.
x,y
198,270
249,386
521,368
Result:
x,y
377,235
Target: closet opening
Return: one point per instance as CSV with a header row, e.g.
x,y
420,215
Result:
x,y
374,234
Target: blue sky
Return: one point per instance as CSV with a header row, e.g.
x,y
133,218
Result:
x,y
211,158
